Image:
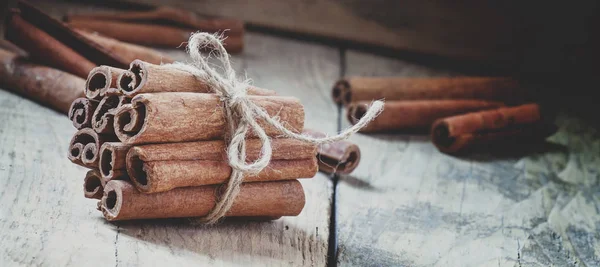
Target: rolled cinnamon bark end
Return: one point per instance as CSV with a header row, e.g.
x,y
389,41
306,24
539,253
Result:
x,y
81,112
121,201
144,77
460,133
84,146
100,81
405,115
39,83
339,91
339,157
103,117
183,117
127,51
161,176
112,163
502,89
46,49
92,185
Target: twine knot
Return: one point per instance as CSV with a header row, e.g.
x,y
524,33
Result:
x,y
241,115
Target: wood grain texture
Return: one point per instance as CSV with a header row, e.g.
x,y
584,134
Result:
x,y
46,221
409,205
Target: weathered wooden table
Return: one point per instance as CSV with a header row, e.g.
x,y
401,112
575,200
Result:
x,y
406,204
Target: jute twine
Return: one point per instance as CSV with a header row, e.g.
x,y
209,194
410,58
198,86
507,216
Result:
x,y
242,115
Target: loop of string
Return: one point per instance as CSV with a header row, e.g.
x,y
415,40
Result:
x,y
241,115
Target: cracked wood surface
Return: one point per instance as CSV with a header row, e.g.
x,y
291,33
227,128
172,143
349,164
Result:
x,y
409,205
45,220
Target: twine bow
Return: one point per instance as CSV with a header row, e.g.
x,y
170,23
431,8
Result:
x,y
242,115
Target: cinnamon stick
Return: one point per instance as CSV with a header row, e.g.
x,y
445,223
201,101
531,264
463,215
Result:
x,y
62,33
84,147
459,133
102,120
137,33
169,15
51,87
101,80
127,51
45,48
121,201
92,185
112,162
356,89
339,157
403,115
81,112
181,117
162,167
144,77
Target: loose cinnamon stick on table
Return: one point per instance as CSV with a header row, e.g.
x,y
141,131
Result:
x,y
144,77
127,51
112,162
181,117
51,87
354,89
459,133
339,157
121,201
403,115
84,147
81,112
100,80
45,48
102,120
92,185
169,15
162,167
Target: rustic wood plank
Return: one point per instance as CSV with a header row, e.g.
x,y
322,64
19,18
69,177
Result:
x,y
46,221
409,205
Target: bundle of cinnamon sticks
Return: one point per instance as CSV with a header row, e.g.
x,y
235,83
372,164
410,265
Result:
x,y
153,137
463,113
162,26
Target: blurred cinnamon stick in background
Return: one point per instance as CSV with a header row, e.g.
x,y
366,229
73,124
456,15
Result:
x,y
46,49
51,87
414,115
354,89
168,16
162,26
53,43
129,52
463,132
